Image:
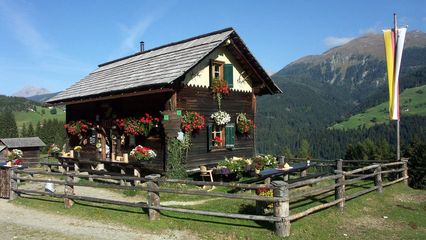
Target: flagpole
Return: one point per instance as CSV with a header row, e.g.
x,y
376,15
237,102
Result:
x,y
398,148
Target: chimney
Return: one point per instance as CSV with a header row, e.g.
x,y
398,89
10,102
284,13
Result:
x,y
142,44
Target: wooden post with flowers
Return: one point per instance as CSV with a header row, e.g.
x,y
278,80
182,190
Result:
x,y
282,208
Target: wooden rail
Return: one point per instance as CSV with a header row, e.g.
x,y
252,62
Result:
x,y
284,194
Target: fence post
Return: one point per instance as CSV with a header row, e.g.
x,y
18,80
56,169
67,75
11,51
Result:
x,y
282,208
153,196
339,191
378,179
13,184
69,190
405,171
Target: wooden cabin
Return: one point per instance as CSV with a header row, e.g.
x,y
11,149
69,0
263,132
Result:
x,y
30,146
167,82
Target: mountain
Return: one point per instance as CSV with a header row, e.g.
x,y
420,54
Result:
x,y
42,97
29,91
320,90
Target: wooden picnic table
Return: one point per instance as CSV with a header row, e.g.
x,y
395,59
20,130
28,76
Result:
x,y
296,167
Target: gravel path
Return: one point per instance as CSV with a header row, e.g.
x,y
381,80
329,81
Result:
x,y
25,223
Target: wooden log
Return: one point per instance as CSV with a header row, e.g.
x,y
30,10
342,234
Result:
x,y
357,194
367,161
347,173
69,191
405,171
378,179
392,164
393,182
303,173
357,179
339,191
314,209
282,208
84,198
123,172
219,214
137,173
222,184
40,180
153,197
393,170
312,181
313,192
13,184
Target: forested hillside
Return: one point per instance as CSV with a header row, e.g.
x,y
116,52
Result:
x,y
20,117
322,90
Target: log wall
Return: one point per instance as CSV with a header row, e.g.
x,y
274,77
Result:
x,y
201,100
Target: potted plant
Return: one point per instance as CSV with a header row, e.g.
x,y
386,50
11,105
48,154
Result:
x,y
142,153
14,156
192,121
244,124
219,87
78,128
54,150
221,118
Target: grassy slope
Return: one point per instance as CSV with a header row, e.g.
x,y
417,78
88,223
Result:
x,y
34,117
412,101
363,218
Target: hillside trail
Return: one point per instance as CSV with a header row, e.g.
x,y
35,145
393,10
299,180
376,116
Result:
x,y
19,222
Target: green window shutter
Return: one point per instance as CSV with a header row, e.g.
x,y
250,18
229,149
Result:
x,y
228,73
230,135
209,136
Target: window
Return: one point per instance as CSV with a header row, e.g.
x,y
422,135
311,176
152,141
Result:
x,y
217,69
222,71
224,135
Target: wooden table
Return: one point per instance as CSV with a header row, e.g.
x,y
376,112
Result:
x,y
296,167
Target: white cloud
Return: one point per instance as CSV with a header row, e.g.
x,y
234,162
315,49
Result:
x,y
134,34
336,41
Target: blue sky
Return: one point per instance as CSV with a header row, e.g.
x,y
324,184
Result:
x,y
53,44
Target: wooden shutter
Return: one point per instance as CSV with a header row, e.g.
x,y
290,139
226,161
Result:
x,y
230,136
209,136
228,73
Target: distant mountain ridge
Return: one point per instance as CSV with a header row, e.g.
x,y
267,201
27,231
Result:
x,y
29,91
320,90
42,97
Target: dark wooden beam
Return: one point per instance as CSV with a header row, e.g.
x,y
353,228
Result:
x,y
115,96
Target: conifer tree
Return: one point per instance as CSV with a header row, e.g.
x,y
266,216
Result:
x,y
24,131
30,131
8,128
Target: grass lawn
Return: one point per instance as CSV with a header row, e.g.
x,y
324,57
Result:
x,y
42,113
398,213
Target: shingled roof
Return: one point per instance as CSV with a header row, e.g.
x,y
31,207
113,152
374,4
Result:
x,y
153,68
22,142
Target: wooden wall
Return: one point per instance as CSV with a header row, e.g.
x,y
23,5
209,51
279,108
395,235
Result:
x,y
201,100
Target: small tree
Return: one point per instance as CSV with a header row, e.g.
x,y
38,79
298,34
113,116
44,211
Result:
x,y
304,150
53,111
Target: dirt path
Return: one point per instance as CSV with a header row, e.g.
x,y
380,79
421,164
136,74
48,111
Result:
x,y
25,223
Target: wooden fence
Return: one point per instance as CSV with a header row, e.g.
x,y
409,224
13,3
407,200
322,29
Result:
x,y
284,194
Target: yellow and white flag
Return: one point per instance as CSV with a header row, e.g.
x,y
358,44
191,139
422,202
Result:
x,y
394,44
